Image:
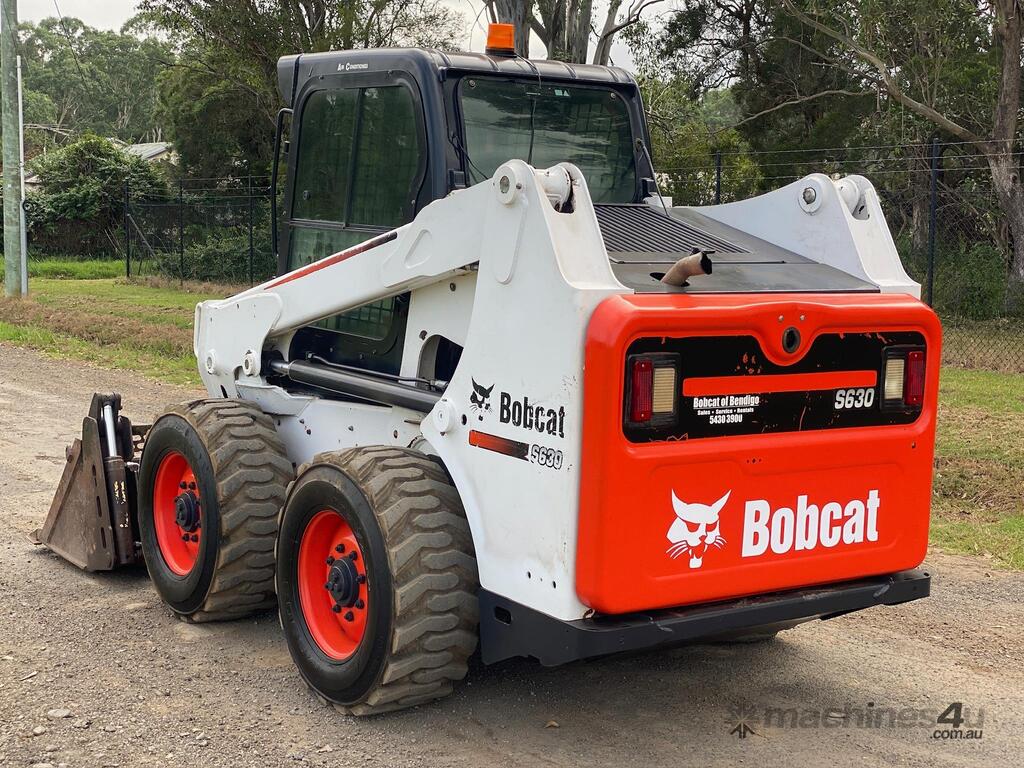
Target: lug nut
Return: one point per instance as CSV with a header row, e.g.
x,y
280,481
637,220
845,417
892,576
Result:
x,y
327,585
191,486
195,537
360,604
353,556
184,537
348,616
340,548
360,579
182,485
330,560
336,608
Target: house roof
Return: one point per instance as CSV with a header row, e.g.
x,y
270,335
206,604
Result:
x,y
149,151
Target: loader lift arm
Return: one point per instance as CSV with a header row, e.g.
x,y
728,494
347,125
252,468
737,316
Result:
x,y
244,337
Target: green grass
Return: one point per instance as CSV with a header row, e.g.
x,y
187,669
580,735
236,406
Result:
x,y
176,369
75,269
114,323
979,466
147,327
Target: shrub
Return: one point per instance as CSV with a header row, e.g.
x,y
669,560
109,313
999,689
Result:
x,y
970,279
79,205
219,256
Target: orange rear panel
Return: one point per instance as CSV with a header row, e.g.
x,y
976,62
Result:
x,y
687,519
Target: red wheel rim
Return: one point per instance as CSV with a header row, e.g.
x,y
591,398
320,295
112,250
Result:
x,y
177,513
333,588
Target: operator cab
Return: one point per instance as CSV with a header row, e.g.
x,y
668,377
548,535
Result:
x,y
376,135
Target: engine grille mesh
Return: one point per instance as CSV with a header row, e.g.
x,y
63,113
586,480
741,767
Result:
x,y
628,228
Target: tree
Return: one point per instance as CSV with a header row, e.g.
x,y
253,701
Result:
x,y
84,80
80,200
686,132
811,69
227,74
961,71
565,27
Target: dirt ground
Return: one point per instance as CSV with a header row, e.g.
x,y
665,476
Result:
x,y
94,671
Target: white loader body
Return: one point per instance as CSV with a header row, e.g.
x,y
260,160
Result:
x,y
499,271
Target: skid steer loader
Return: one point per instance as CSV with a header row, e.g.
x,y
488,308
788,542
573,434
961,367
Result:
x,y
503,392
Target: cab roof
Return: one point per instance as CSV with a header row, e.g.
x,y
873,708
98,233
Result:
x,y
293,70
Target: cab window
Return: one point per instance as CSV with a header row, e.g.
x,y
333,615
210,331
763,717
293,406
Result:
x,y
360,159
548,124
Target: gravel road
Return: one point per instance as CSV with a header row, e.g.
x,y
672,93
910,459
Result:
x,y
94,671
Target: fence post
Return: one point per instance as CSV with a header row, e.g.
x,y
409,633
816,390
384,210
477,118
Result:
x,y
718,176
181,228
127,231
251,214
933,205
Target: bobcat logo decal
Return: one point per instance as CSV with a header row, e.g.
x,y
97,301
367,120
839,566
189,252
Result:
x,y
480,399
695,529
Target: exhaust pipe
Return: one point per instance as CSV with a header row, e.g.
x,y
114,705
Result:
x,y
697,263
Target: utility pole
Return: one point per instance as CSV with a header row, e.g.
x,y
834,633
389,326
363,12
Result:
x,y
11,143
21,183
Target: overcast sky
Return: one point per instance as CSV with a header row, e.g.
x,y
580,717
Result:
x,y
105,14
111,14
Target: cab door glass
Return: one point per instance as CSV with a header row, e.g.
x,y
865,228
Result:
x,y
360,160
325,154
361,156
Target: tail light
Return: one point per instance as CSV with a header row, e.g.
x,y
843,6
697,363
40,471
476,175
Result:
x,y
651,389
903,378
641,397
913,386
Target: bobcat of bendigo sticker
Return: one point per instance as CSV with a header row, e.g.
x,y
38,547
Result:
x,y
802,526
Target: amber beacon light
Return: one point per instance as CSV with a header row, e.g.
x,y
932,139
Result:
x,y
501,39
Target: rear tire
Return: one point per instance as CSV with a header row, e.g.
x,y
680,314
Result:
x,y
404,633
213,471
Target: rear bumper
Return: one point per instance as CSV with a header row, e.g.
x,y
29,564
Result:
x,y
508,629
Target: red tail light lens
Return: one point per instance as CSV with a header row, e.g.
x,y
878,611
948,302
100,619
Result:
x,y
913,382
641,394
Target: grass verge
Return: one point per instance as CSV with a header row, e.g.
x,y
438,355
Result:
x,y
109,322
75,269
978,497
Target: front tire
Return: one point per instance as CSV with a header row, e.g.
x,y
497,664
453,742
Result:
x,y
376,579
212,481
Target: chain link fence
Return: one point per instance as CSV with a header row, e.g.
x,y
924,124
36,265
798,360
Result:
x,y
208,230
938,200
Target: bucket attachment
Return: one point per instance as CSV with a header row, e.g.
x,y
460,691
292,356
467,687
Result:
x,y
93,519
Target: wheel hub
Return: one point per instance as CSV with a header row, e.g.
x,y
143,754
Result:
x,y
186,511
334,591
177,513
343,582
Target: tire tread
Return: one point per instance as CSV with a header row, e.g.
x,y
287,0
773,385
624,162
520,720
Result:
x,y
252,473
434,574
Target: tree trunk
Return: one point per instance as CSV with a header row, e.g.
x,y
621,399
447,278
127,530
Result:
x,y
578,35
603,52
553,14
1003,163
516,13
1010,194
